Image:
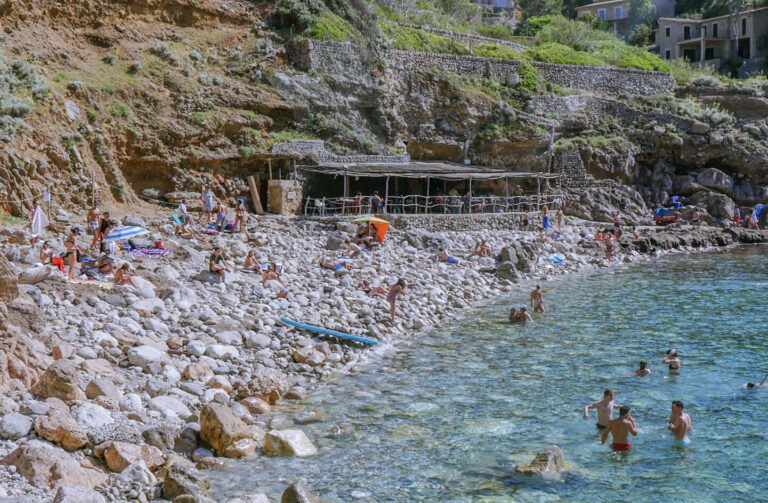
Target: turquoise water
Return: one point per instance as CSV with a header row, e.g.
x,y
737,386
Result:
x,y
446,418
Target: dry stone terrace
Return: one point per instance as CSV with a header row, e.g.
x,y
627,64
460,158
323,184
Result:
x,y
354,59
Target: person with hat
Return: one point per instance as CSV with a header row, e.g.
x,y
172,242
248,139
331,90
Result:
x,y
239,215
93,218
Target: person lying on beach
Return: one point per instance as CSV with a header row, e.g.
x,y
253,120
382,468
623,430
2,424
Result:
x,y
371,290
186,231
643,370
46,253
335,266
481,249
251,263
751,385
672,360
271,273
124,275
443,256
352,249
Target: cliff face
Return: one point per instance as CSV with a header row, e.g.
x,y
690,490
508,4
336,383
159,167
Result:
x,y
149,97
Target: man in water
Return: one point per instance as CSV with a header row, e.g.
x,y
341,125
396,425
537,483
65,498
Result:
x,y
522,316
679,423
537,301
620,428
751,385
604,409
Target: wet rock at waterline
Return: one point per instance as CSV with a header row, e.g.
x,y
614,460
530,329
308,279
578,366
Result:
x,y
548,461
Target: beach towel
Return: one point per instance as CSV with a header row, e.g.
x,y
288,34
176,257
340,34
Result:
x,y
149,251
58,262
176,219
556,259
39,222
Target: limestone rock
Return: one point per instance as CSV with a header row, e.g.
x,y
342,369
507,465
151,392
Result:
x,y
713,178
308,355
9,289
699,128
139,473
263,387
256,405
220,428
77,494
297,493
14,426
59,427
198,371
164,403
180,479
51,468
35,274
92,416
144,355
251,498
102,387
60,380
288,442
550,460
119,455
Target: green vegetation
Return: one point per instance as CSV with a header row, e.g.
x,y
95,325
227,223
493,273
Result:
x,y
10,219
20,87
92,115
346,136
290,134
332,27
529,77
495,51
687,108
200,118
120,110
413,39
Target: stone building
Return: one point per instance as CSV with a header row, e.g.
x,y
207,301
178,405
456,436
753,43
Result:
x,y
708,41
616,12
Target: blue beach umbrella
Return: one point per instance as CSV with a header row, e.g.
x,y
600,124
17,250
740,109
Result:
x,y
122,233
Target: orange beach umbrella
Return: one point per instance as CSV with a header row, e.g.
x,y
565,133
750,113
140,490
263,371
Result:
x,y
379,224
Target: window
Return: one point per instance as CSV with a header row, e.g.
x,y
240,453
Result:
x,y
617,12
709,53
666,54
686,32
744,26
714,30
601,14
666,32
689,54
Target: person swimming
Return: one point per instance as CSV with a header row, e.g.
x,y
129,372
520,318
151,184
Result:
x,y
751,385
673,360
643,370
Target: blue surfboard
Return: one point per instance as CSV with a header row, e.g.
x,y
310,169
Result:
x,y
320,330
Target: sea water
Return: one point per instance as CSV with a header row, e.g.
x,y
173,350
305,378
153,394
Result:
x,y
447,417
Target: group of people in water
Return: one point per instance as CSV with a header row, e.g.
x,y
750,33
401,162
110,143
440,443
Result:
x,y
521,315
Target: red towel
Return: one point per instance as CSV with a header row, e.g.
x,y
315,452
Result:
x,y
58,261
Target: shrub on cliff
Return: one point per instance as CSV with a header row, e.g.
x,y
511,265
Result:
x,y
413,39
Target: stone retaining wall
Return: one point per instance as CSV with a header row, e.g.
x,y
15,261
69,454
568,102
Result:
x,y
458,223
354,59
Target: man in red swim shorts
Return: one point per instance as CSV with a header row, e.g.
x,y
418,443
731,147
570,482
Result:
x,y
620,428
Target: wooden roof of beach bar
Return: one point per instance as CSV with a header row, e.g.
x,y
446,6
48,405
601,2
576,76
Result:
x,y
417,169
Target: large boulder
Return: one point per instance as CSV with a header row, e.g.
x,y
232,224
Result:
x,y
59,427
181,479
288,442
550,460
221,429
60,380
718,205
77,494
14,426
714,179
297,493
35,274
119,455
9,289
52,467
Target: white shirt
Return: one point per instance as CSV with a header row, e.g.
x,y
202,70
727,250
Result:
x,y
182,209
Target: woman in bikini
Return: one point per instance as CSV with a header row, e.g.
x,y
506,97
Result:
x,y
239,216
673,360
73,250
394,291
124,276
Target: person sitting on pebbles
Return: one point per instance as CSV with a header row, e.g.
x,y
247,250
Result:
x,y
251,263
106,264
46,253
329,263
124,275
272,273
185,230
442,256
352,249
218,264
481,249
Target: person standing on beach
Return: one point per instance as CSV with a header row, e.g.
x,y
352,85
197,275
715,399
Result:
x,y
207,198
608,246
679,424
544,218
604,409
560,217
394,291
93,219
537,301
620,428
239,215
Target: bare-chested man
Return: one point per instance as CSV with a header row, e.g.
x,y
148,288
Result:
x,y
604,409
679,423
537,301
620,428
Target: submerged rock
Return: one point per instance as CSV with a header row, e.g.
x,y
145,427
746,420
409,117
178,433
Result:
x,y
297,493
547,461
290,442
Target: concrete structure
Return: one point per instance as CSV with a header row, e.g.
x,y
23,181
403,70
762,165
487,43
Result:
x,y
497,5
616,12
708,41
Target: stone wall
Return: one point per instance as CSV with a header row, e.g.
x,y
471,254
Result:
x,y
458,223
284,197
569,164
315,149
353,59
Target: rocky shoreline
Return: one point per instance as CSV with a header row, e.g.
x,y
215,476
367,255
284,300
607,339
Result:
x,y
130,394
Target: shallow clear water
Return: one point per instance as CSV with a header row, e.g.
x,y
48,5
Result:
x,y
446,418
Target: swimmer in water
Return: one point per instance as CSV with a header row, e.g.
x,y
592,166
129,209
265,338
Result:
x,y
620,428
519,316
643,370
751,385
604,409
537,301
672,360
679,423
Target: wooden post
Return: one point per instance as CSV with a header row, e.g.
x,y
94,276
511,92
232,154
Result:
x,y
344,197
469,210
269,163
426,203
255,195
386,195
